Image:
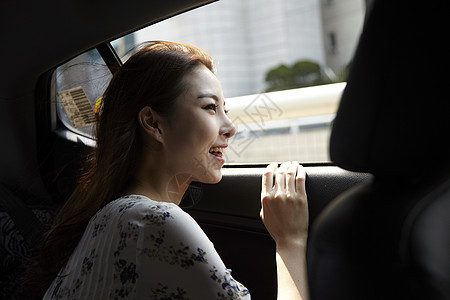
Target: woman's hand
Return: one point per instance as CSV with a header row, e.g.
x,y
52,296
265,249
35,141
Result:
x,y
284,204
285,214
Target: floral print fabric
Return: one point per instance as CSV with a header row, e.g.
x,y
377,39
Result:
x,y
137,248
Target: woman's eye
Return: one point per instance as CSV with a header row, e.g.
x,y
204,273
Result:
x,y
211,107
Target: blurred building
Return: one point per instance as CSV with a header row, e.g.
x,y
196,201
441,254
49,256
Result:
x,y
342,23
247,38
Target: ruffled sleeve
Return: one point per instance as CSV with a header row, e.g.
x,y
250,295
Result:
x,y
177,258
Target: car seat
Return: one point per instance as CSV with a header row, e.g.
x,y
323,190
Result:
x,y
389,238
22,224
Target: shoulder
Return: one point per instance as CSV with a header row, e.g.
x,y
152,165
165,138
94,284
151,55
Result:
x,y
149,213
160,228
137,206
160,220
140,215
138,201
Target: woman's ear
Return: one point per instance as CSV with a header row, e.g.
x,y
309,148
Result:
x,y
148,120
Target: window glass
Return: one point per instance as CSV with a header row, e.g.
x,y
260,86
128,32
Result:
x,y
282,65
79,83
268,53
284,125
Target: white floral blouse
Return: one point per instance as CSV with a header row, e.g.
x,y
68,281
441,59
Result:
x,y
137,248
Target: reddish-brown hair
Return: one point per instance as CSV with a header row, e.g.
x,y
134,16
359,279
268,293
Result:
x,y
150,77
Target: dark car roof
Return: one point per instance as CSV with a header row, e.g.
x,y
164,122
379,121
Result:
x,y
38,35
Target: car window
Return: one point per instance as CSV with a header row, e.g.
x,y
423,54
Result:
x,y
282,66
79,84
267,53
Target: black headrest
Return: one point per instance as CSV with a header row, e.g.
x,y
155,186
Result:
x,y
394,114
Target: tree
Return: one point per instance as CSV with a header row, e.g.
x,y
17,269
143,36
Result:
x,y
280,78
303,73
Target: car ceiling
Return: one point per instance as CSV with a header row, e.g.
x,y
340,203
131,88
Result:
x,y
38,36
42,34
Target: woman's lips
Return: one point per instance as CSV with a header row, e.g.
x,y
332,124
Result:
x,y
218,156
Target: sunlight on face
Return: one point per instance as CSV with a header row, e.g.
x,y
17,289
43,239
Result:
x,y
199,130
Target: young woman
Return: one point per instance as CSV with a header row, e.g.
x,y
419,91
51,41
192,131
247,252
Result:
x,y
122,234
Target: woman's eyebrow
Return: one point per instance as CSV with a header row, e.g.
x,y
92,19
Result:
x,y
208,95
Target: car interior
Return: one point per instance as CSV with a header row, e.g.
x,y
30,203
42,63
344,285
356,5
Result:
x,y
389,237
378,224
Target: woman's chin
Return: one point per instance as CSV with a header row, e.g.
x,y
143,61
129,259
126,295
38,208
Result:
x,y
212,177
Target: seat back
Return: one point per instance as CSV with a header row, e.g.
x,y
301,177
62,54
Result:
x,y
390,238
21,227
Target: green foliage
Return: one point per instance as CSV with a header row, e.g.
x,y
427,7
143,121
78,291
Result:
x,y
280,77
301,74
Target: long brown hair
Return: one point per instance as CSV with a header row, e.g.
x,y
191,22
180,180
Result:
x,y
152,76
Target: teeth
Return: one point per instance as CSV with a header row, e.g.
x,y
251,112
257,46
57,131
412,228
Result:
x,y
216,149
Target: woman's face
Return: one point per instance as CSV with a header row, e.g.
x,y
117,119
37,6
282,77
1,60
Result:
x,y
196,135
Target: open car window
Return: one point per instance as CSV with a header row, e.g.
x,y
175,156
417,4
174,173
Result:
x,y
282,65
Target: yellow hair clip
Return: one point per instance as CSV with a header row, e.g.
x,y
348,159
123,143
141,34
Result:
x,y
97,105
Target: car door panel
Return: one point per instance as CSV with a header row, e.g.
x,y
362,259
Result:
x,y
229,214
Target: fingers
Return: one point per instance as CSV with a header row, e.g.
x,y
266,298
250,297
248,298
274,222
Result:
x,y
300,179
267,180
289,177
284,206
280,177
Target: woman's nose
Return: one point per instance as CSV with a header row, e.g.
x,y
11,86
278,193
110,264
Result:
x,y
228,129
